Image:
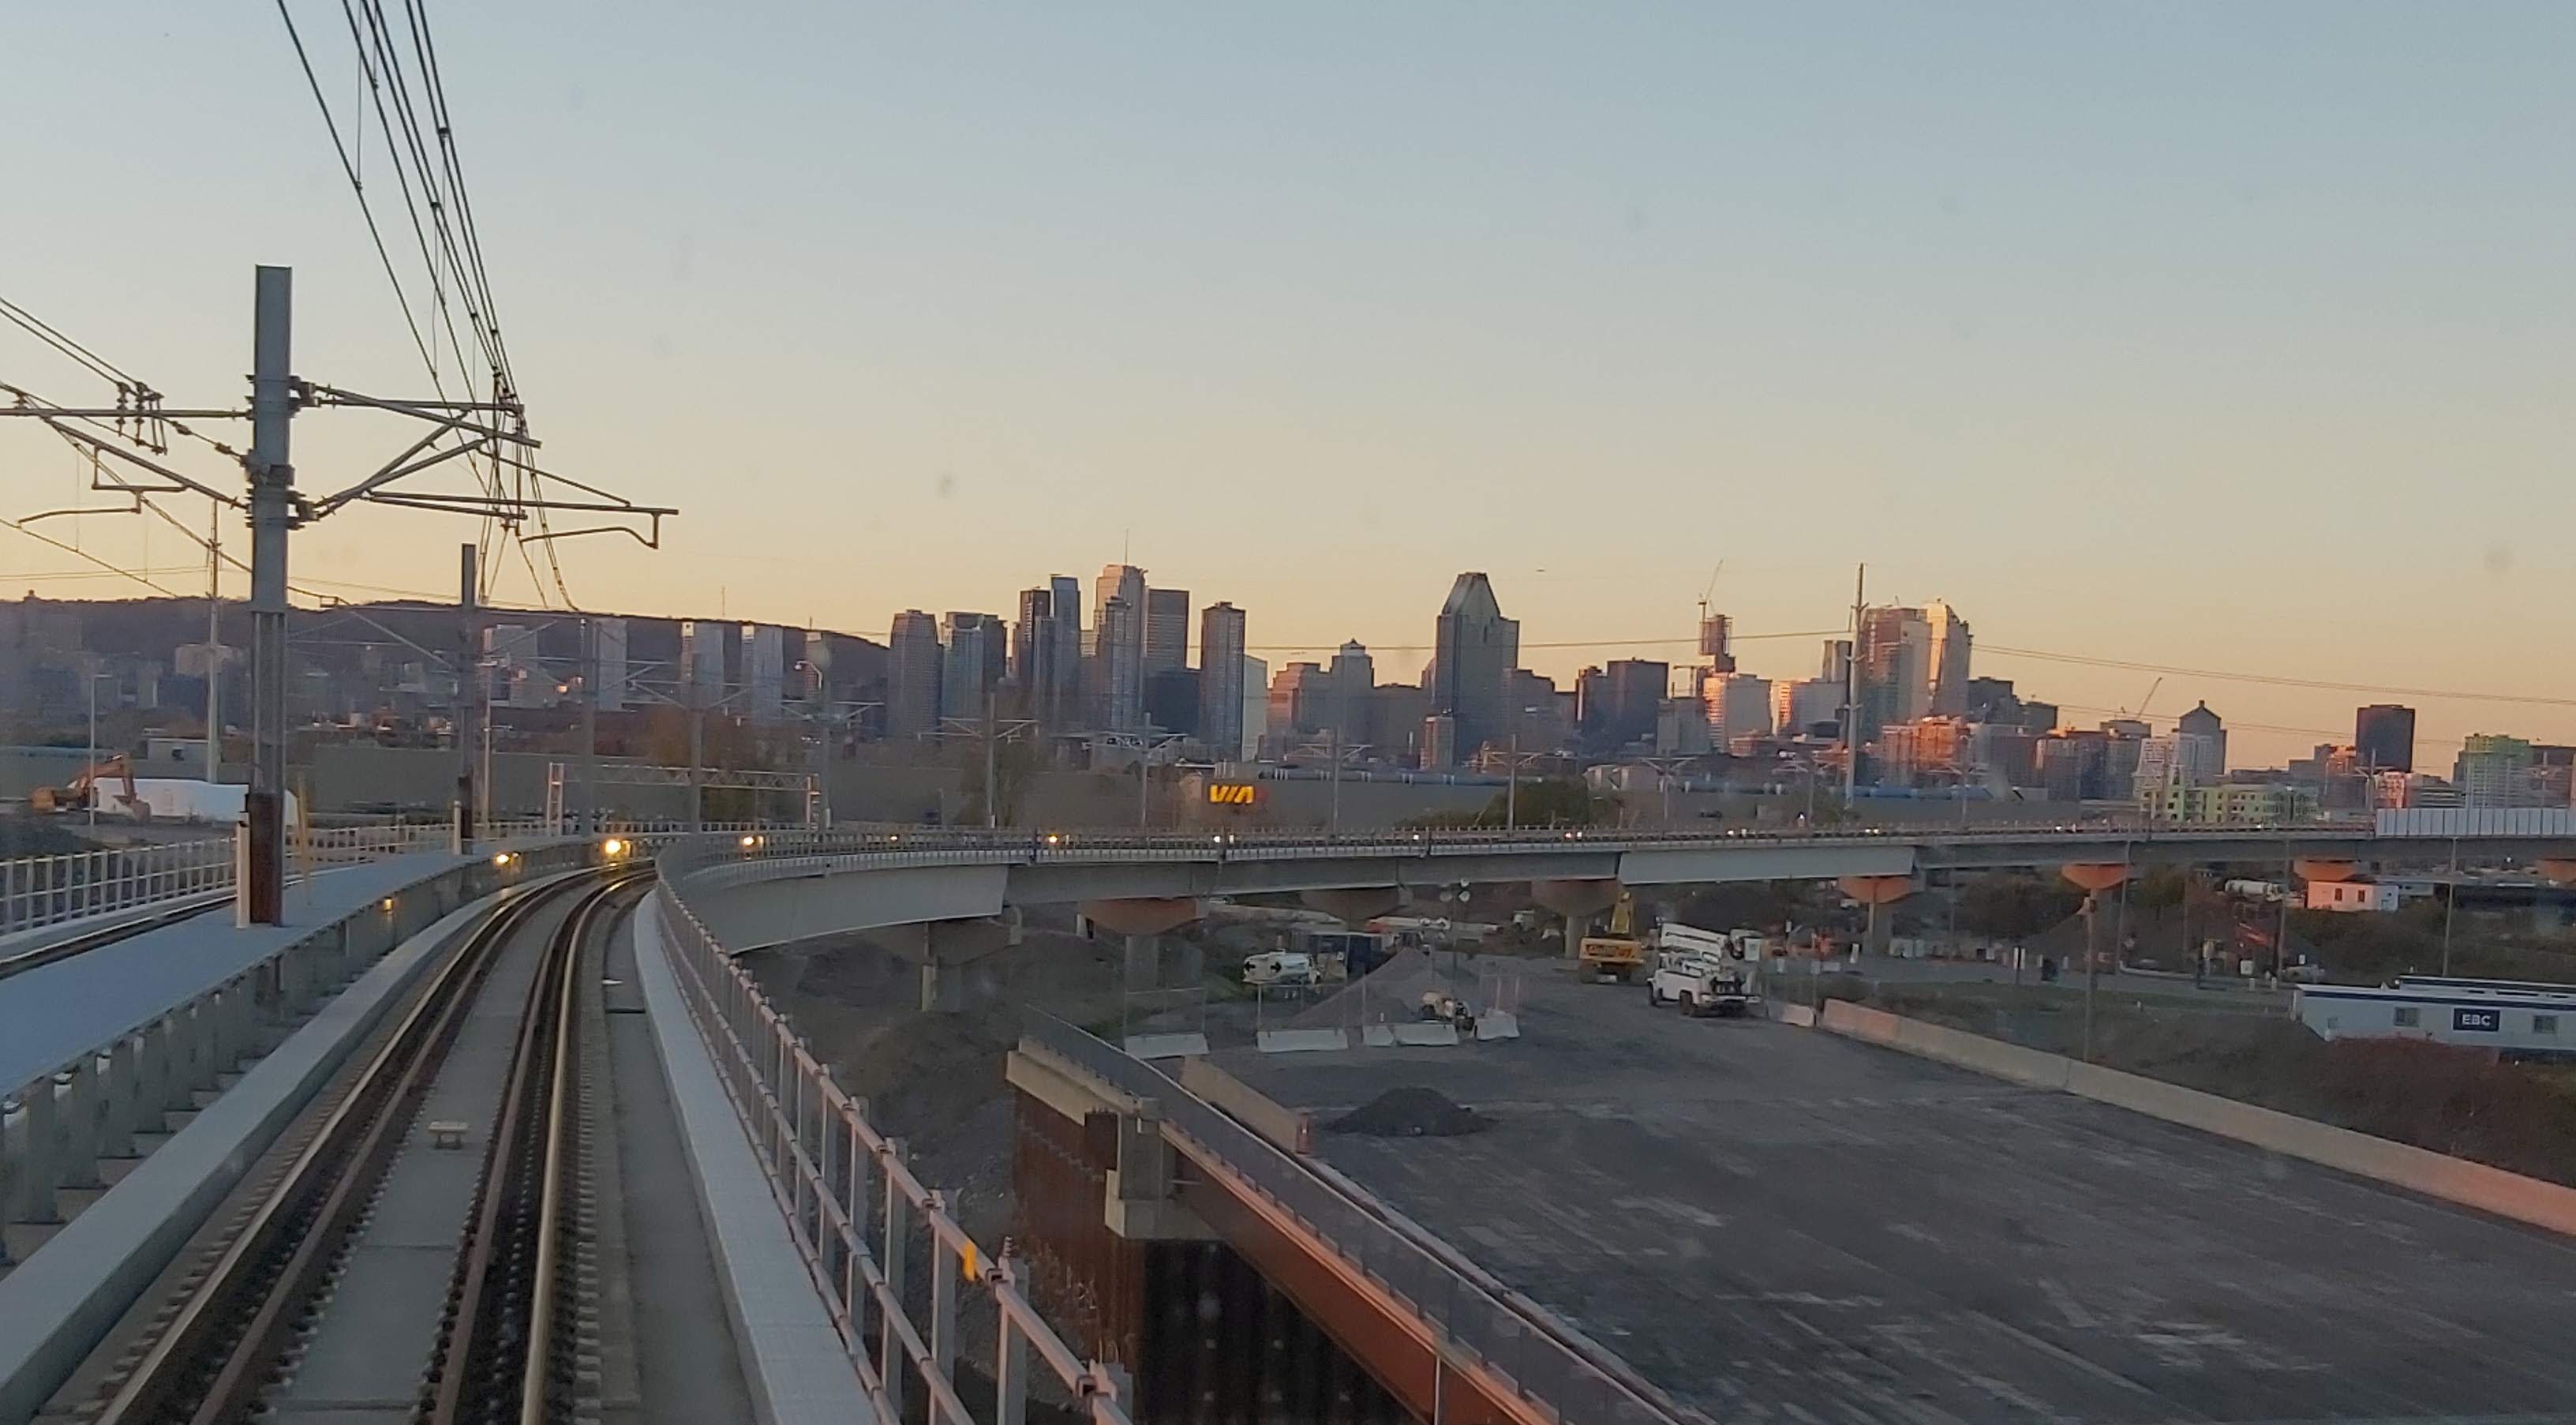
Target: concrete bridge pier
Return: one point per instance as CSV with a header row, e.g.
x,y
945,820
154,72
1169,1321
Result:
x,y
1356,906
1873,892
1144,922
944,948
1578,902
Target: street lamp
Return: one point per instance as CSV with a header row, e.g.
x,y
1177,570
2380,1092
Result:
x,y
1512,771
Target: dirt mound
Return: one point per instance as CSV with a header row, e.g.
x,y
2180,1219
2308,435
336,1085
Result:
x,y
1411,1112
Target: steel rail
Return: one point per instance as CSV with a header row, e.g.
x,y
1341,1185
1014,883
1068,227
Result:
x,y
525,1153
210,1362
562,1104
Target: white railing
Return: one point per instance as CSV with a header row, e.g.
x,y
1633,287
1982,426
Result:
x,y
854,1206
48,890
37,891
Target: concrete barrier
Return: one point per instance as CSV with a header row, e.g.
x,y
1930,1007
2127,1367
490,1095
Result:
x,y
1378,1036
1798,1014
1302,1041
2438,1175
1497,1024
1289,1128
1165,1046
1424,1034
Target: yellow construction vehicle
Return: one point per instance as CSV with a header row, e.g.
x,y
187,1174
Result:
x,y
1618,956
75,794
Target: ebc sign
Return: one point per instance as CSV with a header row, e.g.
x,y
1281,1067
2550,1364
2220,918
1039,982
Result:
x,y
2481,1021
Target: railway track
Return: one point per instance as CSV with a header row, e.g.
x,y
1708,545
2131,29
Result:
x,y
506,1349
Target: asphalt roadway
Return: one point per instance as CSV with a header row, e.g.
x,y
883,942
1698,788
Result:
x,y
1779,1224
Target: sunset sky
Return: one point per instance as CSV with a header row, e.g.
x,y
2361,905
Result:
x,y
2228,337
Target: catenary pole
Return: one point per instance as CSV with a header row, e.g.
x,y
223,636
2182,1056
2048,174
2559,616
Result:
x,y
261,897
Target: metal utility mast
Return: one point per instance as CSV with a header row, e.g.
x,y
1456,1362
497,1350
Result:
x,y
275,508
1851,690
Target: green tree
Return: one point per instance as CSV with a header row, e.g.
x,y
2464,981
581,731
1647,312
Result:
x,y
1550,801
2161,888
2015,906
1741,905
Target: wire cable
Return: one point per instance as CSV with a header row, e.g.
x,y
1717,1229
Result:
x,y
359,186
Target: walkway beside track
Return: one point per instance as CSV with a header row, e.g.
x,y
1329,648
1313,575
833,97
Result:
x,y
50,1014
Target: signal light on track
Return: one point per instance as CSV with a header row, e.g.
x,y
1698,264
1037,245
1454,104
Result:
x,y
612,847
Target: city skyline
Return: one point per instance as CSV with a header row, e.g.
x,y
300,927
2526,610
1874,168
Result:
x,y
1989,350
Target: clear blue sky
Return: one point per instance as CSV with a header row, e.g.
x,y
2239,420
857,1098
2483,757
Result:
x,y
2225,335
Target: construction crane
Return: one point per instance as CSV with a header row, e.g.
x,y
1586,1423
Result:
x,y
77,792
1718,654
2150,697
1708,589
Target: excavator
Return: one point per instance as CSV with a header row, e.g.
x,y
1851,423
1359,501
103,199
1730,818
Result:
x,y
1618,956
76,794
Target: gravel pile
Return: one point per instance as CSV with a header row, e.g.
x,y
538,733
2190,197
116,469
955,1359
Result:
x,y
1411,1112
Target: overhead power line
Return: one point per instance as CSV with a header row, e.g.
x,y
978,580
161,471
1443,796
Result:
x,y
1686,641
2274,679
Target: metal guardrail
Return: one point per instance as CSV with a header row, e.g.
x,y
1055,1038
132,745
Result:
x,y
854,1206
1479,1325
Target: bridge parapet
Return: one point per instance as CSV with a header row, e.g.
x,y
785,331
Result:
x,y
853,1203
1469,1337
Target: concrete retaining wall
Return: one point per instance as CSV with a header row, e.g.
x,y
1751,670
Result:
x,y
2510,1195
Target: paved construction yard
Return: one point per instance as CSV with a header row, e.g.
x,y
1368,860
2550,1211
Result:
x,y
1775,1223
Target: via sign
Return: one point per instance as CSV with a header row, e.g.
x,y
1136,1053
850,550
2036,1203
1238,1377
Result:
x,y
1230,794
2482,1021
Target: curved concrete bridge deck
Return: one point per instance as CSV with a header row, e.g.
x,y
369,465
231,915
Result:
x,y
778,891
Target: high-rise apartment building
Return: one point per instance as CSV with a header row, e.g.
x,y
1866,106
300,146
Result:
x,y
1617,704
972,666
1118,666
1476,649
2383,737
1895,657
607,670
2494,770
1167,630
1064,602
1221,680
1254,719
1717,642
1172,700
912,675
1799,705
1946,662
2203,727
1300,705
1738,705
764,671
2194,754
1114,660
702,663
1353,679
1836,664
1034,648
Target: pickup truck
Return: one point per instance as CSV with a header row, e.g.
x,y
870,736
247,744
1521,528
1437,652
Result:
x,y
1703,984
